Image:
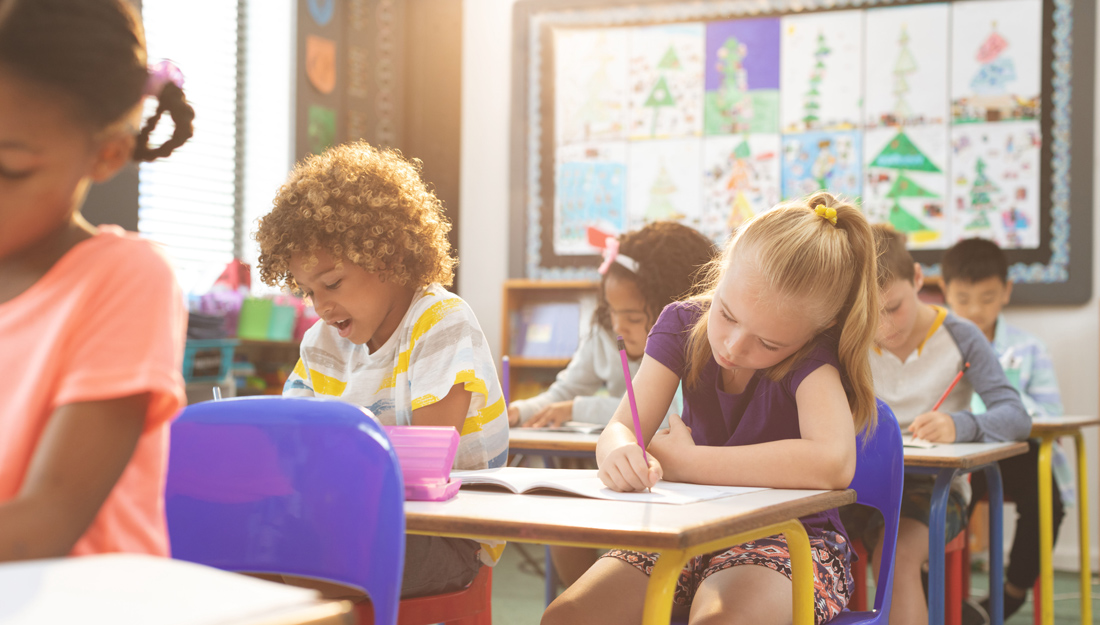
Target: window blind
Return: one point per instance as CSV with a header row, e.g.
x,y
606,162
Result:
x,y
191,202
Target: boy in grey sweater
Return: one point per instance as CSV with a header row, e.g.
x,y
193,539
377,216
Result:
x,y
919,351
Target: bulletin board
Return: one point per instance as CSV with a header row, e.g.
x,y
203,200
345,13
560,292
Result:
x,y
348,64
949,120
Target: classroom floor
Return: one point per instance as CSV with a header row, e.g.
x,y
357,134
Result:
x,y
518,591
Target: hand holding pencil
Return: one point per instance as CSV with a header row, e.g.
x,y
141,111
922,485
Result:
x,y
935,426
625,469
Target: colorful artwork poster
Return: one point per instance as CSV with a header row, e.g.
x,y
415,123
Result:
x,y
591,91
742,77
996,50
995,182
590,190
905,182
664,182
740,179
905,62
818,160
820,80
666,81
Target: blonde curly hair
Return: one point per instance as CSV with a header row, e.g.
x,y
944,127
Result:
x,y
361,203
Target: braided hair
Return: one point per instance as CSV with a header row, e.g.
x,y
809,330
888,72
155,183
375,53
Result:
x,y
671,257
93,52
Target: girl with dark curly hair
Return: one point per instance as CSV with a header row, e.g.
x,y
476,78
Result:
x,y
644,271
92,322
358,233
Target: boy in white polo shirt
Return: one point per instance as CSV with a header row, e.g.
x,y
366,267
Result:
x,y
919,351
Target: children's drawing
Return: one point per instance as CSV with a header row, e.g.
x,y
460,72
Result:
x,y
742,77
741,179
820,56
664,179
906,182
821,160
995,182
590,94
996,49
905,64
590,190
666,81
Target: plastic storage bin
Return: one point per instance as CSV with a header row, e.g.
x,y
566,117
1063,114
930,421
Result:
x,y
207,360
425,454
281,325
255,318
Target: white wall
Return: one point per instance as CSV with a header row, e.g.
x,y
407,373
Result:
x,y
1070,331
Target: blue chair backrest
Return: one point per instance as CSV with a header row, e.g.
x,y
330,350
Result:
x,y
290,486
878,480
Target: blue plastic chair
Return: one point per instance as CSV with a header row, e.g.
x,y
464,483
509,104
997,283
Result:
x,y
262,484
878,480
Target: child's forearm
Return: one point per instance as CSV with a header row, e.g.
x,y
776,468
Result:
x,y
791,463
615,435
29,531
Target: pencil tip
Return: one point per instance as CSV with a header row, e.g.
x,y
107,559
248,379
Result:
x,y
619,341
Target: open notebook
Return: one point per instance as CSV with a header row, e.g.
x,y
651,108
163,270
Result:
x,y
908,441
584,482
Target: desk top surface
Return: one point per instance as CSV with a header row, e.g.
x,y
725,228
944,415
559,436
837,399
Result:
x,y
1068,423
124,589
534,439
541,518
962,455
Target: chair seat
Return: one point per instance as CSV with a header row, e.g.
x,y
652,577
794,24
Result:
x,y
470,606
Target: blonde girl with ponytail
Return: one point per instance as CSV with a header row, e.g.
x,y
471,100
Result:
x,y
773,360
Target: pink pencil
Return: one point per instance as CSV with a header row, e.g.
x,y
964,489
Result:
x,y
633,404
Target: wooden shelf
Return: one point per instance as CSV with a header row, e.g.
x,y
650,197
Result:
x,y
256,343
545,363
551,285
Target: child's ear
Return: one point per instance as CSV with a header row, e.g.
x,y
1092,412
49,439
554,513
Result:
x,y
114,152
918,277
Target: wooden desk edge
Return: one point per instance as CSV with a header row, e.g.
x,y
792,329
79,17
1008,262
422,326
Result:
x,y
1039,428
537,533
533,448
968,462
324,612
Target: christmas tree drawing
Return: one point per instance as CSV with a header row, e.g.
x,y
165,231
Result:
x,y
812,106
660,197
733,101
980,199
659,97
740,213
901,155
997,69
669,60
739,179
904,66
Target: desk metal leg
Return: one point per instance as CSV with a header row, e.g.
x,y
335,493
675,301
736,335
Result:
x,y
937,521
996,543
1046,534
662,586
1083,528
549,580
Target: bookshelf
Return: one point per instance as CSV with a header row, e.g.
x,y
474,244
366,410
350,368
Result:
x,y
531,374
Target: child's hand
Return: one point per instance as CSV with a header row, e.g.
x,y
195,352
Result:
x,y
551,416
625,470
513,415
672,446
934,427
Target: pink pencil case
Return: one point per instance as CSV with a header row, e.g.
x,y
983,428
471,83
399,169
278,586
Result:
x,y
426,455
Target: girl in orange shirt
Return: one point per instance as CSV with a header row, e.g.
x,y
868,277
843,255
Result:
x,y
91,319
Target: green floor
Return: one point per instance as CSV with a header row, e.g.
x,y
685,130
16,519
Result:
x,y
518,591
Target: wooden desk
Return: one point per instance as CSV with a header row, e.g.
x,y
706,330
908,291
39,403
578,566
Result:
x,y
125,589
678,533
539,442
945,462
1047,431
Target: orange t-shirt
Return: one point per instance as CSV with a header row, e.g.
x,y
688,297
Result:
x,y
106,321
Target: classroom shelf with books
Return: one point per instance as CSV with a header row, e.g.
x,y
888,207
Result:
x,y
541,327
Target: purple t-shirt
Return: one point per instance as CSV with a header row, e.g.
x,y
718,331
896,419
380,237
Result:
x,y
764,412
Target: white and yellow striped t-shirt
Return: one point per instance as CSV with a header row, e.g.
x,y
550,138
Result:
x,y
439,344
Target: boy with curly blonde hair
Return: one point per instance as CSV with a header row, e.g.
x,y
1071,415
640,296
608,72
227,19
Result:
x,y
358,232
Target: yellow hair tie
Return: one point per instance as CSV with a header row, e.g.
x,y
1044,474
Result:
x,y
826,212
